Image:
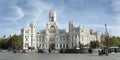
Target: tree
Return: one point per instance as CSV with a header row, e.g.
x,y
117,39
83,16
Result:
x,y
15,42
3,43
112,41
94,44
116,41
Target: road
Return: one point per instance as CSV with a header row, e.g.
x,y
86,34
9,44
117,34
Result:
x,y
36,56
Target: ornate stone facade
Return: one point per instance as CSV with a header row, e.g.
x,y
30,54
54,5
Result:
x,y
54,38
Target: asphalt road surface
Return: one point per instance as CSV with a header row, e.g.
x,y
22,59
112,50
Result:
x,y
36,56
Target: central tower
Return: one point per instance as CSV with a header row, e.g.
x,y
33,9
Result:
x,y
52,30
52,27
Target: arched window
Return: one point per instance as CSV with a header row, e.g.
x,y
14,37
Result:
x,y
52,29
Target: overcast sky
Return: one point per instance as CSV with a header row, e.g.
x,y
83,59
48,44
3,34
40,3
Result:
x,y
92,14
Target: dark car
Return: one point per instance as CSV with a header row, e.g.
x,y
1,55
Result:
x,y
40,51
103,51
24,51
16,51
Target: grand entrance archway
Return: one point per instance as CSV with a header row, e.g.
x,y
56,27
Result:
x,y
52,46
52,43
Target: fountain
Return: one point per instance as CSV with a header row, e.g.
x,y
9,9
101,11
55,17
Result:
x,y
77,42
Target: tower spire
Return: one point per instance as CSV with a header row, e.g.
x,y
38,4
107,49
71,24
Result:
x,y
106,29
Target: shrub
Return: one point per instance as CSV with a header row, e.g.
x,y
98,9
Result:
x,y
90,50
31,48
63,50
70,50
49,50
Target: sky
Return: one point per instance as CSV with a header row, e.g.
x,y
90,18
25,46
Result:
x,y
92,14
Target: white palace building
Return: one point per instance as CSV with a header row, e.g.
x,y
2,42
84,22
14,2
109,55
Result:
x,y
54,37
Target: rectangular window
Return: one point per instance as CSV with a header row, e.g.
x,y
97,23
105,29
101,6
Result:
x,y
60,45
43,45
26,45
40,39
26,31
26,38
46,45
40,45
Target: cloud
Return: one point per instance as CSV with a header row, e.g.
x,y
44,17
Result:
x,y
35,8
37,11
12,13
116,8
116,5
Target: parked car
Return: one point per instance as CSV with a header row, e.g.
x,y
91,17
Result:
x,y
40,51
16,51
24,51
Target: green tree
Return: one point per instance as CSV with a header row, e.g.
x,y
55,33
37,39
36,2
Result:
x,y
4,43
15,42
112,41
115,41
94,44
